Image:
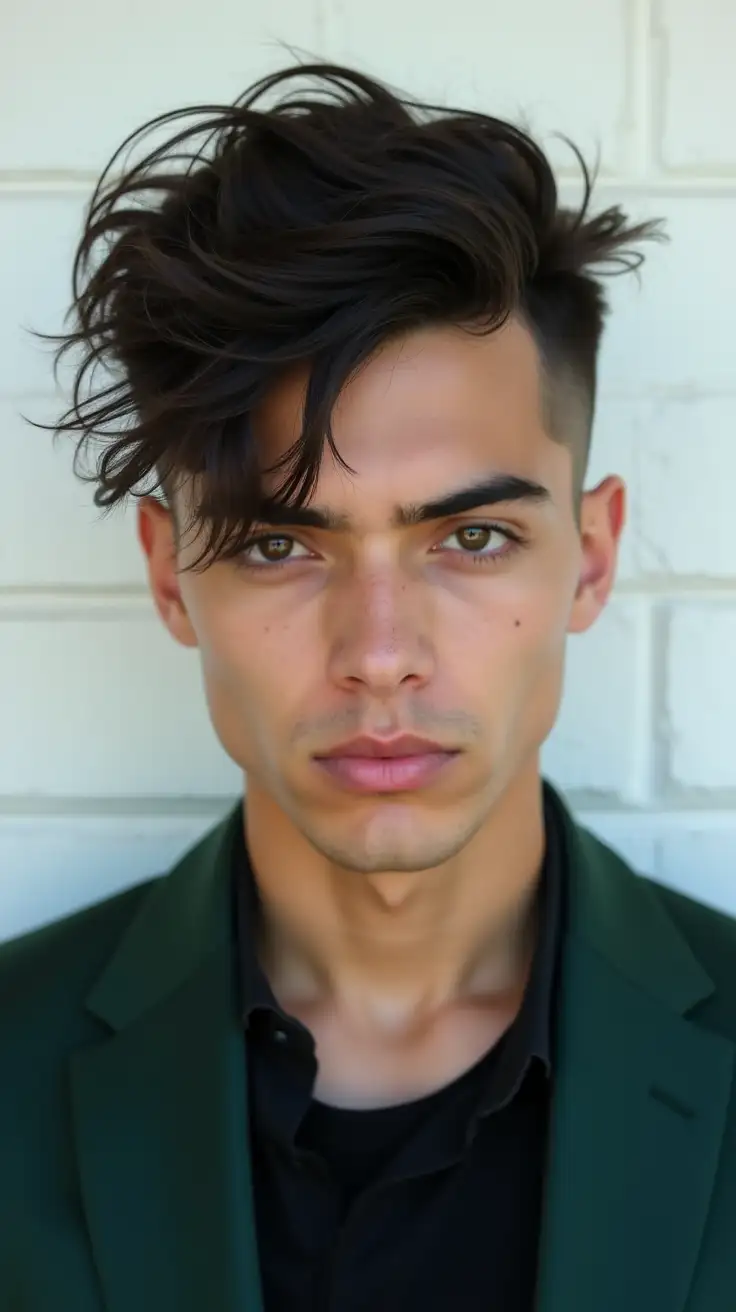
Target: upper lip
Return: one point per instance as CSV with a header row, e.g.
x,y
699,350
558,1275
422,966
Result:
x,y
405,745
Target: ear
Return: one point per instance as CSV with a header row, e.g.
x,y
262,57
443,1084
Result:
x,y
602,518
157,536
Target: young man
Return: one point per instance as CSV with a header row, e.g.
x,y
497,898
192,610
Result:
x,y
398,1034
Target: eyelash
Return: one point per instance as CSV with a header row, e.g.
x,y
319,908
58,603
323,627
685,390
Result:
x,y
513,542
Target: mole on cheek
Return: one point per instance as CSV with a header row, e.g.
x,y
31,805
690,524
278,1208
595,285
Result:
x,y
517,623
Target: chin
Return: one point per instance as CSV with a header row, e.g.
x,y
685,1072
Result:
x,y
394,843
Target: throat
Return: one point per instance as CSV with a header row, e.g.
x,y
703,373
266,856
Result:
x,y
370,1069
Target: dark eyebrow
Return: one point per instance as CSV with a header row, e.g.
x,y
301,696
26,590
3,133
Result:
x,y
502,488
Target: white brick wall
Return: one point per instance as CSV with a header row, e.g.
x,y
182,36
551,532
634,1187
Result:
x,y
109,767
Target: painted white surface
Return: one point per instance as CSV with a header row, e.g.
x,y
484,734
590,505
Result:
x,y
108,765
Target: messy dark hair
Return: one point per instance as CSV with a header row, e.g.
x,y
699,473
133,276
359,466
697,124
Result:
x,y
313,230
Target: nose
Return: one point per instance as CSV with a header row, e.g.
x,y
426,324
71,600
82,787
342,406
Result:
x,y
380,633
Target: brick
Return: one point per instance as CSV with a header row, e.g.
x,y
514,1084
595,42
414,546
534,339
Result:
x,y
684,490
697,52
35,285
697,856
701,696
71,90
105,707
511,67
53,535
692,852
599,742
631,834
55,865
671,327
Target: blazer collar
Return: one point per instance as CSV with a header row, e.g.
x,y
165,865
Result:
x,y
619,914
180,922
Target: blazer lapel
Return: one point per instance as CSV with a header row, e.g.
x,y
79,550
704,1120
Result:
x,y
641,1095
159,1105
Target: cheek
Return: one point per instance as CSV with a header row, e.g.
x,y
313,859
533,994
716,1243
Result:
x,y
244,697
241,646
537,660
539,631
540,609
517,632
536,666
255,671
511,661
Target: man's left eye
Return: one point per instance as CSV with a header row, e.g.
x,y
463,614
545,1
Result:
x,y
475,538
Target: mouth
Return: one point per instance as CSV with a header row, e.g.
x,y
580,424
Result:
x,y
371,765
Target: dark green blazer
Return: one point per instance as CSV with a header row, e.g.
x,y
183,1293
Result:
x,y
124,1164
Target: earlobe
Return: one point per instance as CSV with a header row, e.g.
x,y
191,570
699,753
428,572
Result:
x,y
588,603
173,612
601,522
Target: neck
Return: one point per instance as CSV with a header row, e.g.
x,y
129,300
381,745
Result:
x,y
392,951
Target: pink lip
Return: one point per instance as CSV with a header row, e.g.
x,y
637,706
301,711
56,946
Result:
x,y
383,774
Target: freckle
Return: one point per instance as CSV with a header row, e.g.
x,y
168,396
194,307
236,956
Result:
x,y
517,623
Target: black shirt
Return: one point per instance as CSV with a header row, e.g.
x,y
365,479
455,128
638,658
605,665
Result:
x,y
433,1204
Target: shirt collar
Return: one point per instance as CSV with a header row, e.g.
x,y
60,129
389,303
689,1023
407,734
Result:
x,y
532,1033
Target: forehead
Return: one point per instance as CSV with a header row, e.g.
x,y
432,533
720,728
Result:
x,y
430,411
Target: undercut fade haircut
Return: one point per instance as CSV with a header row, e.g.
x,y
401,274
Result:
x,y
312,230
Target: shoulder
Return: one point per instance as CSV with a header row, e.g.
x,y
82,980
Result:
x,y
645,925
716,927
710,933
45,974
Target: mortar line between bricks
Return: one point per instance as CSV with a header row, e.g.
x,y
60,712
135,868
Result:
x,y
637,80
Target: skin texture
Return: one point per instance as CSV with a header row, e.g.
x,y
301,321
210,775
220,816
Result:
x,y
400,927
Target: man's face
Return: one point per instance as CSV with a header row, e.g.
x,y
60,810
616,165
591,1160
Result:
x,y
450,628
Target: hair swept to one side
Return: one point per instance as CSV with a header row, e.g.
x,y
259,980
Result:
x,y
311,230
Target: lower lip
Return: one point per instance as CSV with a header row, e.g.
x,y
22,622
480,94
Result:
x,y
370,774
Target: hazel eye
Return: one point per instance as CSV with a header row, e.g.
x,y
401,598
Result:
x,y
274,549
481,540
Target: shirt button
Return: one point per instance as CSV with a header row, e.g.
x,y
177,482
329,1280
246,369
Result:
x,y
280,1036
